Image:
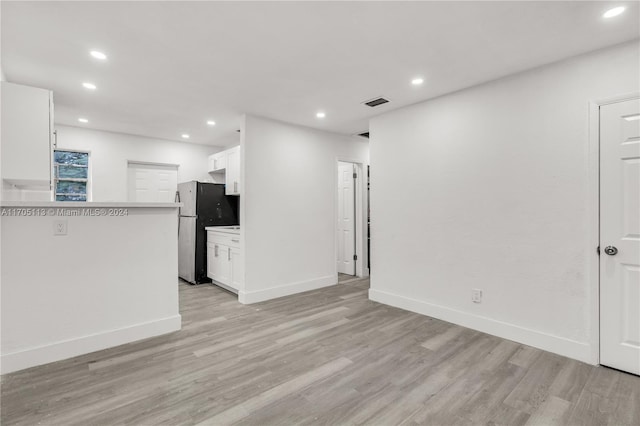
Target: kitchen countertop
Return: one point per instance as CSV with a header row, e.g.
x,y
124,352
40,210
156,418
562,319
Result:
x,y
95,251
226,229
87,204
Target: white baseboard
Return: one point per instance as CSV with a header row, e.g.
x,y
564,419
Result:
x,y
548,342
86,344
248,297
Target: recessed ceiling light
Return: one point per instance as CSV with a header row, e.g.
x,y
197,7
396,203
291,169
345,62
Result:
x,y
417,81
83,120
185,136
321,114
613,12
211,122
89,86
98,55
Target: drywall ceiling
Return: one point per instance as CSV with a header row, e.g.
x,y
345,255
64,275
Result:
x,y
173,65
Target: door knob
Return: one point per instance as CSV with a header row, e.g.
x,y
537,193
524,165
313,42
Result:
x,y
611,250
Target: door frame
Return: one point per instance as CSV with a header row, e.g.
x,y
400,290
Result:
x,y
593,219
360,216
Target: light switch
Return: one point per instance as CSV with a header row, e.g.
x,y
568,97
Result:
x,y
59,227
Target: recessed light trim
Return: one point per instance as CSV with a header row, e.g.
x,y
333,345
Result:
x,y
613,12
83,120
417,81
89,86
321,114
98,55
185,136
211,122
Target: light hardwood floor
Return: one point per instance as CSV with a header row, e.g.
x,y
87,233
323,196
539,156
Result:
x,y
328,357
345,278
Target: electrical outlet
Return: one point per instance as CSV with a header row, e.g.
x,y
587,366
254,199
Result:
x,y
476,295
59,227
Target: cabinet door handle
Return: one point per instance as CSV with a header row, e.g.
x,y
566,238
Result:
x,y
215,250
235,186
229,255
235,241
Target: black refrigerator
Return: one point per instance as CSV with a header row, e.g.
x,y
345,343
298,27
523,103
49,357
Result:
x,y
204,204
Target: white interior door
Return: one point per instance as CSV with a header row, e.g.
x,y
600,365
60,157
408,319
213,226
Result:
x,y
620,236
346,218
152,183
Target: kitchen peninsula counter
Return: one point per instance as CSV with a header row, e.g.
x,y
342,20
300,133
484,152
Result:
x,y
87,204
78,277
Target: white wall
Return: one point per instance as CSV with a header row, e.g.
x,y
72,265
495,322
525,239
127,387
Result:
x,y
228,141
2,76
111,151
489,188
288,206
109,281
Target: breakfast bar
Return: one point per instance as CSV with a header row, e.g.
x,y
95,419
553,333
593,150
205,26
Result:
x,y
94,275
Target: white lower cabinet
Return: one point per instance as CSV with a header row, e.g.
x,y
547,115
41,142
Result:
x,y
218,265
237,276
224,264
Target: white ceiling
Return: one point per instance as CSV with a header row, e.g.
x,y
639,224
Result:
x,y
173,65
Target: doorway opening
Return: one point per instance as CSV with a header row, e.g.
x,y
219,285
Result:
x,y
350,235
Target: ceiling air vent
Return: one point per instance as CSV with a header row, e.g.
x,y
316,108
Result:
x,y
364,135
376,101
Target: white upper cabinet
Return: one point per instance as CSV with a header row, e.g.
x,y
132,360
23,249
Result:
x,y
232,179
27,130
227,162
218,162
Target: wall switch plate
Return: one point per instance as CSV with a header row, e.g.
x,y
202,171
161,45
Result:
x,y
59,227
476,295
